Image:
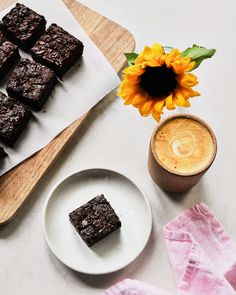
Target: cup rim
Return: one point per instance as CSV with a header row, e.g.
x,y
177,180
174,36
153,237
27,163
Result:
x,y
188,116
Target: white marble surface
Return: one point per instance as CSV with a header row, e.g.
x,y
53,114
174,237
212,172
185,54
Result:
x,y
116,137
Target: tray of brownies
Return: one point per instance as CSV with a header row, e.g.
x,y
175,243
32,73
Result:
x,y
45,86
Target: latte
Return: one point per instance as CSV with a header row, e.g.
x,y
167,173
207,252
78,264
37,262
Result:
x,y
184,146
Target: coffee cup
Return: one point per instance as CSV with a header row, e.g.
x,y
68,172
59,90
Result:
x,y
182,148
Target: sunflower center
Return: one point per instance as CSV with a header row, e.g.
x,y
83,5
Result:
x,y
158,81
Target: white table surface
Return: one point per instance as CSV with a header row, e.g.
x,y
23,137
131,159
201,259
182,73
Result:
x,y
116,137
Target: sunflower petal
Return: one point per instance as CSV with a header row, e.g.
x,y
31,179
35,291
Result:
x,y
146,108
187,80
159,105
194,93
157,49
153,63
188,92
130,69
139,100
139,60
181,101
156,116
132,79
147,53
179,66
190,66
129,99
170,105
172,56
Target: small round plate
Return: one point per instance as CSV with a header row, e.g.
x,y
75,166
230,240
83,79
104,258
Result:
x,y
116,250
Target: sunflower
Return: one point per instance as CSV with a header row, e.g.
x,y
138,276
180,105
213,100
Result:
x,y
157,80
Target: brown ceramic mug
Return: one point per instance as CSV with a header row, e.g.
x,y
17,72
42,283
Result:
x,y
182,148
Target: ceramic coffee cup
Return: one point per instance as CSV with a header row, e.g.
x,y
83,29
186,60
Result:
x,y
177,143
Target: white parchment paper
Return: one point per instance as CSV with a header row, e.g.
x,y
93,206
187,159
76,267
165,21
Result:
x,y
80,89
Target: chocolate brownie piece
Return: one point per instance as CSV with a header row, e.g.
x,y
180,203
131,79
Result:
x,y
3,154
9,54
13,118
57,49
23,26
31,83
95,220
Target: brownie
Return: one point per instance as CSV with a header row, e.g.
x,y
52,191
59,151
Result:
x,y
31,83
57,49
13,118
3,154
23,26
9,54
95,220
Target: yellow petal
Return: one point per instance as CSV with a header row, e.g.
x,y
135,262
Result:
x,y
190,66
187,80
139,60
156,116
170,105
133,70
181,101
159,105
130,69
139,99
146,108
125,88
179,66
147,53
132,79
153,63
172,56
157,49
129,99
194,93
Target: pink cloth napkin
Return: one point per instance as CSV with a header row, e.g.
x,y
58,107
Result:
x,y
133,287
202,256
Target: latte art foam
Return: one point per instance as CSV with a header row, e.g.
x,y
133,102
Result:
x,y
184,145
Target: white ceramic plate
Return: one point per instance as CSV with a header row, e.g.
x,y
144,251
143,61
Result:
x,y
113,252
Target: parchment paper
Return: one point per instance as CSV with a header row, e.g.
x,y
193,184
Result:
x,y
80,89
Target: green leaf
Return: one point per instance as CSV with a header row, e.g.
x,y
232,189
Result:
x,y
167,49
131,57
198,54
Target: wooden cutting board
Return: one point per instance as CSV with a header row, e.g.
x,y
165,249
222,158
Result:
x,y
17,184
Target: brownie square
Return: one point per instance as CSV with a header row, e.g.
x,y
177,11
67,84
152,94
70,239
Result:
x,y
13,118
23,26
9,54
31,83
57,49
95,220
3,154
